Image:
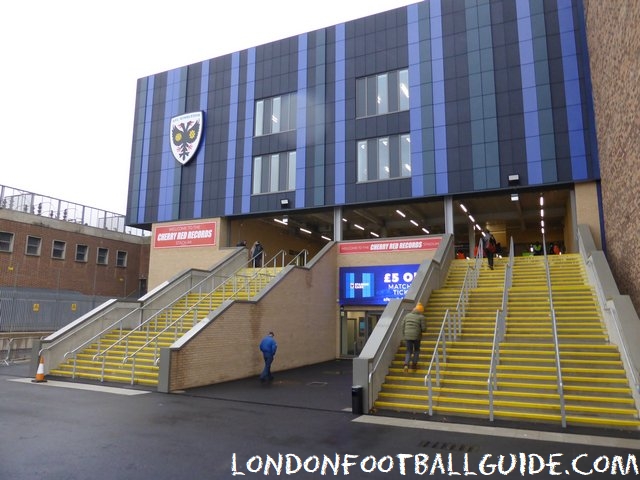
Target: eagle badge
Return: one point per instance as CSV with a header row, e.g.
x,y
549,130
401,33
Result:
x,y
186,132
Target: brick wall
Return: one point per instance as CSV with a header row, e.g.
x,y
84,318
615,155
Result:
x,y
42,271
613,35
301,310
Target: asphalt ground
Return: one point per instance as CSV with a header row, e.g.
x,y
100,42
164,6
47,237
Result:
x,y
298,426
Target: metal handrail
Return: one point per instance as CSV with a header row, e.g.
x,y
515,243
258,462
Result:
x,y
453,324
261,274
500,330
167,309
555,337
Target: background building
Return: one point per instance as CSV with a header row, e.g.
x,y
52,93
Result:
x,y
58,260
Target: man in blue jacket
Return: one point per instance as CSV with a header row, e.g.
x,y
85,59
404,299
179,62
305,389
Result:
x,y
268,347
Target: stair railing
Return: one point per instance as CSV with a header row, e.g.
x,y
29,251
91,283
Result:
x,y
451,328
229,287
499,330
262,276
554,325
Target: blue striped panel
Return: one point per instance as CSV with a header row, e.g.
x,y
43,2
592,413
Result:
x,y
301,134
144,167
248,130
572,91
529,94
340,116
201,155
439,115
231,134
415,103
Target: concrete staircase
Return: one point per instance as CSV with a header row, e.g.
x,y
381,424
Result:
x,y
595,387
131,355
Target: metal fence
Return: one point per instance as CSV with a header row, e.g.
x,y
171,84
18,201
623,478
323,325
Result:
x,y
41,205
29,310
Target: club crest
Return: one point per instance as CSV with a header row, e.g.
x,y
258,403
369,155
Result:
x,y
186,131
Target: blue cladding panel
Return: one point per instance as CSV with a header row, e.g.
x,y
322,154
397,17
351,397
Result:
x,y
248,131
144,170
202,152
301,134
231,137
340,116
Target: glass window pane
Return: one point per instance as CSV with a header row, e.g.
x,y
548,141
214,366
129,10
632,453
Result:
x,y
259,116
274,173
405,156
403,87
383,159
275,115
382,98
362,161
291,177
257,174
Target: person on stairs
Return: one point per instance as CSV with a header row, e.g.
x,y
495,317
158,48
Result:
x,y
413,326
489,248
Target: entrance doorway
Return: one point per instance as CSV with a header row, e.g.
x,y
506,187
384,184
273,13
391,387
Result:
x,y
356,327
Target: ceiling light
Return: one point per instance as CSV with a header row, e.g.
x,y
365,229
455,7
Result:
x,y
541,200
374,234
325,238
425,230
305,230
280,221
414,222
541,213
399,212
358,226
464,209
473,220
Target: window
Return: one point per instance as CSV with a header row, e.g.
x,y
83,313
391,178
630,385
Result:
x,y
275,115
82,252
6,242
103,256
274,173
384,158
383,93
58,249
33,245
121,259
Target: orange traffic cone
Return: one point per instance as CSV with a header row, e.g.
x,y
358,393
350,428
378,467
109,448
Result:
x,y
40,373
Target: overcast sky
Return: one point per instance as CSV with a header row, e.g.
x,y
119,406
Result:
x,y
69,72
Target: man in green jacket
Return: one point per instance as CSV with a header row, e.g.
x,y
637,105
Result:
x,y
413,326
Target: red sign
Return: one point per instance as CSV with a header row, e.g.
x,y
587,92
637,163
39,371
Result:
x,y
189,235
382,246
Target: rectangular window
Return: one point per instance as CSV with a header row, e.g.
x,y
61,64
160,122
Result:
x,y
82,253
103,256
274,173
34,244
6,242
363,171
384,158
382,93
405,155
121,259
58,249
275,115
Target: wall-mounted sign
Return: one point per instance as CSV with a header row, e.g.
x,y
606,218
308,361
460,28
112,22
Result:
x,y
387,246
186,235
375,285
186,132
